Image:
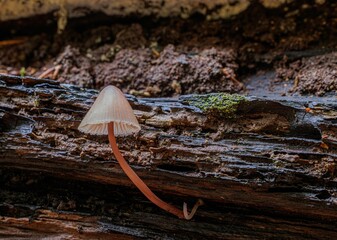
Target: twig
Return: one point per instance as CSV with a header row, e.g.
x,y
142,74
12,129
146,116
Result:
x,y
11,42
56,72
233,79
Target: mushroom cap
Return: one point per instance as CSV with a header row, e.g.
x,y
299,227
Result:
x,y
110,106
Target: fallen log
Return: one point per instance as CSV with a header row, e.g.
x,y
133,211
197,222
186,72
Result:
x,y
265,166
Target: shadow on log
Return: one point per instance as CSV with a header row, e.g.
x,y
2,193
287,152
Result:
x,y
265,167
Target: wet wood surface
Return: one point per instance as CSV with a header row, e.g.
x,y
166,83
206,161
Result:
x,y
268,171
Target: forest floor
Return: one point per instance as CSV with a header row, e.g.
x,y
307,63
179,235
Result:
x,y
289,51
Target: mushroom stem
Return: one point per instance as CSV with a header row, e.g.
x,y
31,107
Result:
x,y
189,216
137,181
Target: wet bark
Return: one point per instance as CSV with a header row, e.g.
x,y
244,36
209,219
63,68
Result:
x,y
267,169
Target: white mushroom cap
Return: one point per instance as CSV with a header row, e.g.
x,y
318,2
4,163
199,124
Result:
x,y
110,106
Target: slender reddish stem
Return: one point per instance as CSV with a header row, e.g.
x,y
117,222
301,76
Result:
x,y
189,216
136,180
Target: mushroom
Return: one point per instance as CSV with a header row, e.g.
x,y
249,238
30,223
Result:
x,y
112,114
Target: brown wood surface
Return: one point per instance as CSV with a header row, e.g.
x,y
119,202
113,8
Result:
x,y
268,172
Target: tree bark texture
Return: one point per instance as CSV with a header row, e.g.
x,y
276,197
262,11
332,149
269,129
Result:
x,y
265,168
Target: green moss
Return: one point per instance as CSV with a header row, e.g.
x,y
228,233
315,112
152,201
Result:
x,y
222,104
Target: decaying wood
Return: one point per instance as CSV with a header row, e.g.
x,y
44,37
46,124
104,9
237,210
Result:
x,y
268,171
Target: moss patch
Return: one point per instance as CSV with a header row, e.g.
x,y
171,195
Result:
x,y
222,104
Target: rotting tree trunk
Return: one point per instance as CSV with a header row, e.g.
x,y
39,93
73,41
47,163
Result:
x,y
268,171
